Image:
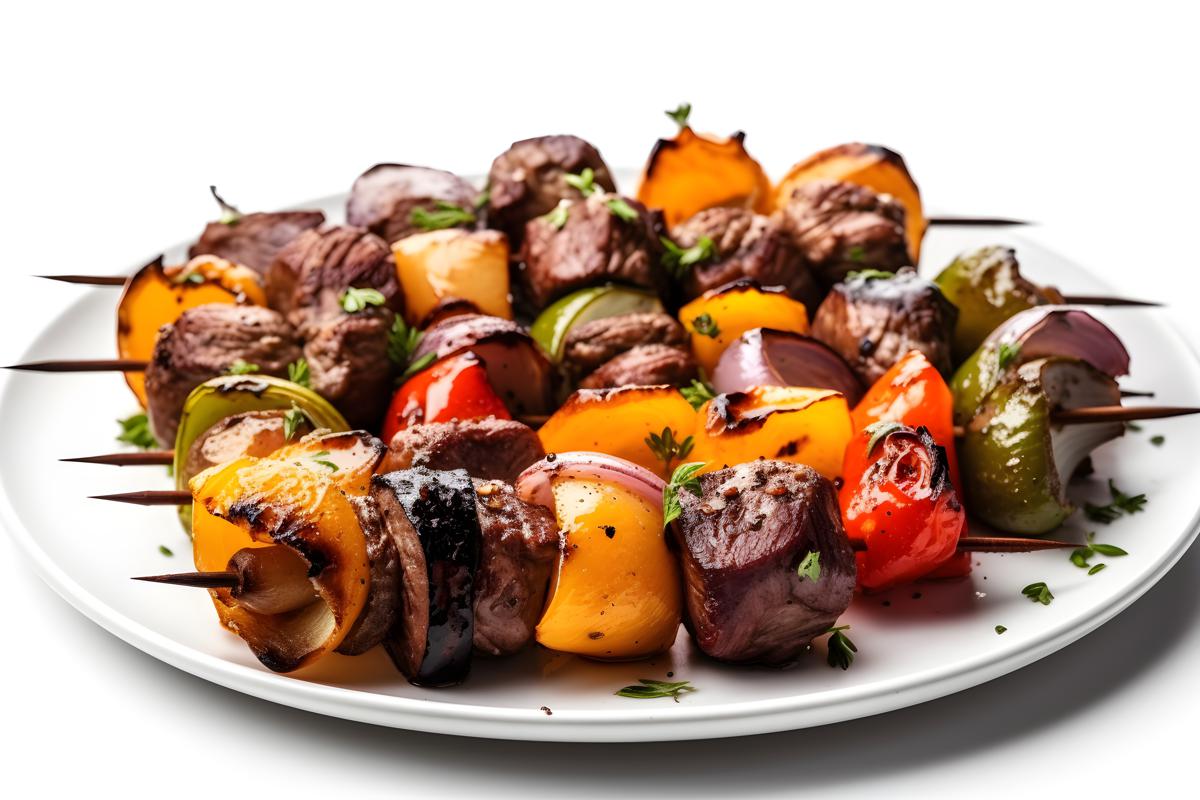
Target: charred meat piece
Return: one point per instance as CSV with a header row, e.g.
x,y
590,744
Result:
x,y
308,278
746,245
594,244
529,178
519,546
871,321
431,518
251,433
384,198
590,345
384,603
644,365
205,342
516,367
841,227
493,449
743,540
348,358
253,240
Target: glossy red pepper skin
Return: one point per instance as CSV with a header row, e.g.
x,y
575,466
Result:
x,y
899,500
453,388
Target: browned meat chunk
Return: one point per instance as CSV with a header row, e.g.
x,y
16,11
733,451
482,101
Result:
x,y
384,198
205,342
644,365
529,178
595,244
308,278
384,603
590,345
872,321
746,245
349,366
840,227
519,546
253,240
493,449
743,540
251,433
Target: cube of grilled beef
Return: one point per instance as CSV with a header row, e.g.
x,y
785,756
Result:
x,y
743,540
518,549
644,365
253,240
251,433
385,603
384,198
308,278
529,179
595,244
591,345
872,321
349,366
492,449
745,245
205,342
840,227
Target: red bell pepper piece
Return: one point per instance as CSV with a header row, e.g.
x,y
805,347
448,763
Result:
x,y
453,388
897,498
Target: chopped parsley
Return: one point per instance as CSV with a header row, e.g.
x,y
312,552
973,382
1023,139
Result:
x,y
683,478
667,448
298,373
870,274
678,260
1157,441
1000,629
841,649
680,114
442,215
483,198
621,209
647,689
705,325
810,567
584,182
1096,569
857,253
1038,592
135,430
322,458
241,367
166,551
402,343
292,419
354,300
698,393
1007,354
193,277
559,215
1121,504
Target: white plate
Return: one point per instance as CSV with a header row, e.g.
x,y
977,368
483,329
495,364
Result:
x,y
915,644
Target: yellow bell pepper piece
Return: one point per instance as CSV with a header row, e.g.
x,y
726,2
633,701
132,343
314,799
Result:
x,y
453,264
717,318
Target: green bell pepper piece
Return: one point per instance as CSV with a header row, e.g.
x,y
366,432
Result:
x,y
551,327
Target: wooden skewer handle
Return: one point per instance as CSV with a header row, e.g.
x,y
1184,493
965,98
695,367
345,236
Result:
x,y
137,459
163,497
1077,416
89,280
1102,300
201,580
84,365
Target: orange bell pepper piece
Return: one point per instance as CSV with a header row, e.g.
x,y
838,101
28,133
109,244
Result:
x,y
718,317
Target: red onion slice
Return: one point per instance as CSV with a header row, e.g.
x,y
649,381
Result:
x,y
767,357
1045,331
534,484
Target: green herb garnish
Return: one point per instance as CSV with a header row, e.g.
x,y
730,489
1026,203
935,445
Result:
x,y
1007,353
559,215
402,343
1133,426
683,478
841,649
483,198
810,567
298,373
193,277
667,448
1096,569
680,114
135,430
292,419
1121,504
1038,592
442,215
678,260
166,551
705,325
1157,441
647,689
241,367
354,300
857,253
322,458
1000,629
621,209
584,182
870,275
697,394
418,365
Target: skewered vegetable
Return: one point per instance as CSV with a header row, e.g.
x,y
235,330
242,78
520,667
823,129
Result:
x,y
898,499
455,388
553,326
441,266
718,317
1016,460
616,593
765,357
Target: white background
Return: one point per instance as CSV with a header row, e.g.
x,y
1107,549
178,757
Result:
x,y
117,116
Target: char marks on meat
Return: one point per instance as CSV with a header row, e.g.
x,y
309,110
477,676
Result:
x,y
384,197
309,276
492,449
253,240
873,322
529,179
594,245
349,366
590,345
742,541
840,227
202,344
518,549
644,365
746,245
